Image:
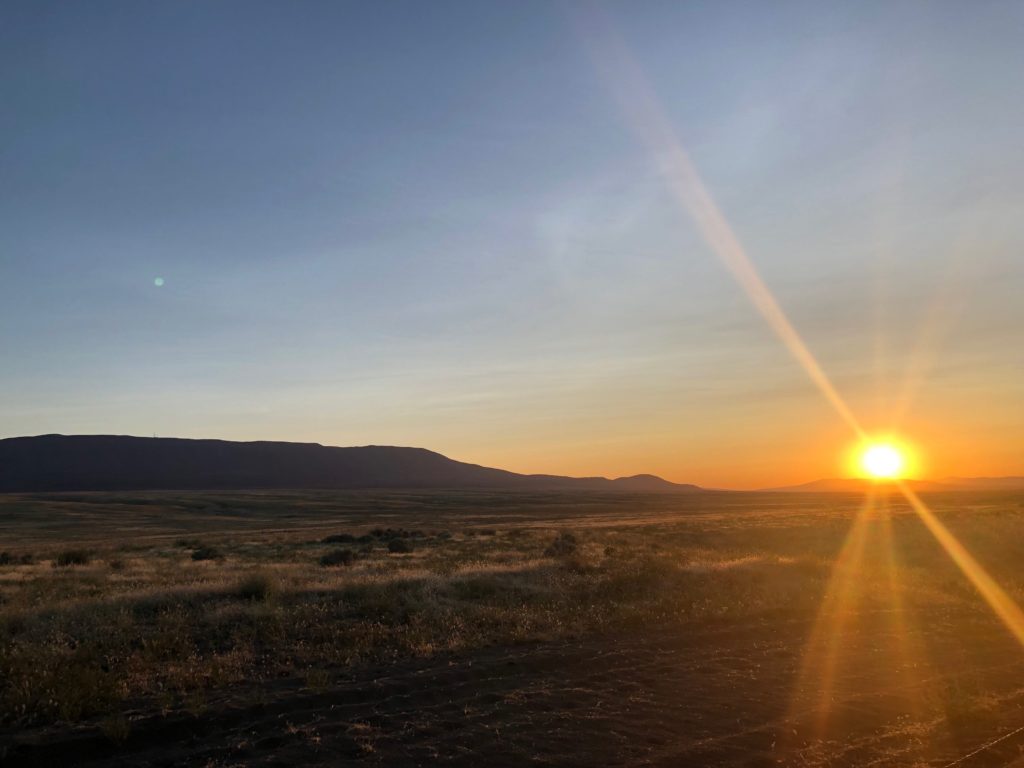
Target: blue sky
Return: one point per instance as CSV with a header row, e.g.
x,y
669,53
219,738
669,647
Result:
x,y
430,224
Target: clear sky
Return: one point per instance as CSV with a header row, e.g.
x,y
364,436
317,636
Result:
x,y
430,224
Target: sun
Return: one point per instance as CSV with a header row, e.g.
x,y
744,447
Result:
x,y
883,461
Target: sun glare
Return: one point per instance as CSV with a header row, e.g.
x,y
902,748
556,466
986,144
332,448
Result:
x,y
882,461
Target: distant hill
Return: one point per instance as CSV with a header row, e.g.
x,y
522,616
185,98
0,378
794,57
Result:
x,y
985,483
860,485
854,485
116,463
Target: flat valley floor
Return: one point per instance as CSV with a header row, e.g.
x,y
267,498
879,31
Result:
x,y
402,628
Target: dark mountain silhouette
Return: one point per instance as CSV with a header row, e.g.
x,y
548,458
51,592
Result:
x,y
115,463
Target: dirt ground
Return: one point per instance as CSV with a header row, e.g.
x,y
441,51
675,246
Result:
x,y
938,685
719,696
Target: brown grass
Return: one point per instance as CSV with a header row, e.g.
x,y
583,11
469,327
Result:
x,y
144,619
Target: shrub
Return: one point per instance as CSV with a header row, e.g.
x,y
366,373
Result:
x,y
388,534
257,588
399,546
72,557
338,557
207,553
338,538
116,564
565,544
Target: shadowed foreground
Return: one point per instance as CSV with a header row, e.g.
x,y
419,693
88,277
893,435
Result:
x,y
739,630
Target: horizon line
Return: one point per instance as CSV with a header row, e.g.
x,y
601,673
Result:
x,y
867,481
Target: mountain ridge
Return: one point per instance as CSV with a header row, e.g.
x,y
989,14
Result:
x,y
57,462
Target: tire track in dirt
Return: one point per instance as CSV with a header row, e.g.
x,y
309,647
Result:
x,y
666,697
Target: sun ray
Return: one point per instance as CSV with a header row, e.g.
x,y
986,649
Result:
x,y
822,650
648,120
1002,604
910,651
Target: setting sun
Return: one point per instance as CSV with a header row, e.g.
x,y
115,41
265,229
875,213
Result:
x,y
882,461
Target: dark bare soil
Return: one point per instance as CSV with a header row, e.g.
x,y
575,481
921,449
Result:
x,y
722,696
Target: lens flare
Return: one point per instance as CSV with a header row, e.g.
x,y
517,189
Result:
x,y
882,461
